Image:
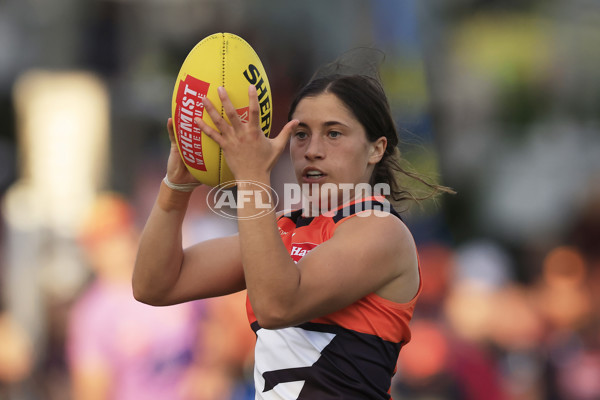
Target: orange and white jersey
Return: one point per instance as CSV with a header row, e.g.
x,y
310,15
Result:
x,y
348,354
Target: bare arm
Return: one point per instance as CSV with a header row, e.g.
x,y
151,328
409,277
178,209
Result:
x,y
166,274
381,259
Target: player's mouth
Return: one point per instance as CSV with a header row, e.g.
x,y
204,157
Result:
x,y
312,175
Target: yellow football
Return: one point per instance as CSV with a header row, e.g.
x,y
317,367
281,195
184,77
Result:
x,y
221,59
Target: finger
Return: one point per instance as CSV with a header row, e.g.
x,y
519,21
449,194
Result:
x,y
215,115
234,118
254,116
209,131
281,140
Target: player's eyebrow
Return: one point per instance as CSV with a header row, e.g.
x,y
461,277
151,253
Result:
x,y
326,124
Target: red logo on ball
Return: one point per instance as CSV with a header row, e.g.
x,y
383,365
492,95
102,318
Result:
x,y
188,106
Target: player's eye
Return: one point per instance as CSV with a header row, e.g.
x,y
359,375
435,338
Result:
x,y
300,135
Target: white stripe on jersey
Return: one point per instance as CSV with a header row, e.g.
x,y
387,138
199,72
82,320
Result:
x,y
282,349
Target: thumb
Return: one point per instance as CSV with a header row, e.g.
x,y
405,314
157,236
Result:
x,y
171,130
284,136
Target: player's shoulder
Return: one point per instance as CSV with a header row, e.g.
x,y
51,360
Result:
x,y
384,219
382,226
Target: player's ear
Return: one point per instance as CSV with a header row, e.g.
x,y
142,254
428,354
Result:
x,y
377,150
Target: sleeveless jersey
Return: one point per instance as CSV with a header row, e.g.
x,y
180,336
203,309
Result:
x,y
348,354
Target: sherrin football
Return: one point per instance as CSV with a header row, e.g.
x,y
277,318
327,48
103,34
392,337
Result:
x,y
221,59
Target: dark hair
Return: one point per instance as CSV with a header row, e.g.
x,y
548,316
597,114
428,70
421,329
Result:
x,y
365,98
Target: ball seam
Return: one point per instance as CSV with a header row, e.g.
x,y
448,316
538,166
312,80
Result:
x,y
222,108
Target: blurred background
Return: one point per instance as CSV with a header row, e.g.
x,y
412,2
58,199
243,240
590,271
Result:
x,y
498,99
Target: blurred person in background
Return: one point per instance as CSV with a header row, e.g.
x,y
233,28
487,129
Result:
x,y
16,358
563,296
449,357
16,347
118,348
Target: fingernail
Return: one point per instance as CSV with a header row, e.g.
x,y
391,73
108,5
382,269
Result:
x,y
220,89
